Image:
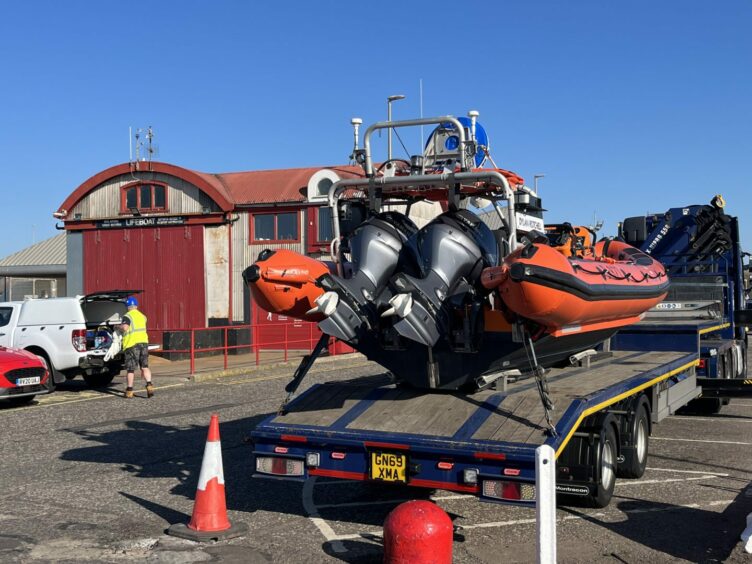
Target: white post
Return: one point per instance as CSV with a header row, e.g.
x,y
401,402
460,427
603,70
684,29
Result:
x,y
545,503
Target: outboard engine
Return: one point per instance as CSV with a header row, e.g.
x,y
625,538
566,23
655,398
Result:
x,y
454,248
377,248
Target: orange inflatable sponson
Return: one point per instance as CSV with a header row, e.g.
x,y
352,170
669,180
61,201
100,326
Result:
x,y
571,295
284,282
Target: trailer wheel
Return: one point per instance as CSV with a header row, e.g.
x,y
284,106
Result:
x,y
636,457
606,460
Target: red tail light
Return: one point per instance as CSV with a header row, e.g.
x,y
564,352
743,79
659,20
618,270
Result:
x,y
509,491
702,363
78,338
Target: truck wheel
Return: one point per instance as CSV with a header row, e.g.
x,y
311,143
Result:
x,y
606,469
101,380
636,457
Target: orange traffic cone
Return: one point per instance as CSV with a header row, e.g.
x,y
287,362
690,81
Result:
x,y
209,520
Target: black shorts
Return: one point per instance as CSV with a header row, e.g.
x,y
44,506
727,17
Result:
x,y
136,356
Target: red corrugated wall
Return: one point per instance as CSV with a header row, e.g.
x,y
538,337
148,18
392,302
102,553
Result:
x,y
272,329
167,263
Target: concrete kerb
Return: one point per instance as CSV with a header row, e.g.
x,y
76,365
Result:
x,y
272,366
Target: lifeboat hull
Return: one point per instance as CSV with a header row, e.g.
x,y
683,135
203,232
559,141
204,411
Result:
x,y
570,295
286,282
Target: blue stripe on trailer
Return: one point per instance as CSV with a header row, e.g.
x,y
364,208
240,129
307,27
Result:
x,y
474,422
359,408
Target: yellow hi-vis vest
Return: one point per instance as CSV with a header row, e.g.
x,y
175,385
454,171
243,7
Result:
x,y
136,330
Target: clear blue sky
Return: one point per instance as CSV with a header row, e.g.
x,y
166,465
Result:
x,y
625,106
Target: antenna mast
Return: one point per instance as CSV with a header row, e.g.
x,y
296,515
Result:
x,y
149,136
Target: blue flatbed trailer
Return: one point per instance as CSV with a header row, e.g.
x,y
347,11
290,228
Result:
x,y
482,443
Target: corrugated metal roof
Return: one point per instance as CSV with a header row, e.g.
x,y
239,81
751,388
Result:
x,y
275,186
48,252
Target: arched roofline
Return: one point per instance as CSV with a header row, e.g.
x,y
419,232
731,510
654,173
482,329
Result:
x,y
215,192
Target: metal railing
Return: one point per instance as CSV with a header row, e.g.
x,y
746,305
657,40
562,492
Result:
x,y
263,337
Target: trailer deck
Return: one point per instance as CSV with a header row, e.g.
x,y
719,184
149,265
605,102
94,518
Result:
x,y
343,422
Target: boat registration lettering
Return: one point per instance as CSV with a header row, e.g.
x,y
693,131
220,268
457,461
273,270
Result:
x,y
669,305
529,222
388,467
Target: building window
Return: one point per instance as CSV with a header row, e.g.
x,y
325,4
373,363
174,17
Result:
x,y
144,198
325,227
275,227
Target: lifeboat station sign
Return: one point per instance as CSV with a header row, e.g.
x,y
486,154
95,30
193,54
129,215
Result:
x,y
141,222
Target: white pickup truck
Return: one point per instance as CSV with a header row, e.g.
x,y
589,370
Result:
x,y
72,335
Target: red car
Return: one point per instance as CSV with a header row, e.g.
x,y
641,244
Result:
x,y
22,376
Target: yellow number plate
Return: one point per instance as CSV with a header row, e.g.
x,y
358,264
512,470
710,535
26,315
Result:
x,y
388,467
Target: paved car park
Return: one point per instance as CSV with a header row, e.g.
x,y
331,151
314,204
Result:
x,y
90,476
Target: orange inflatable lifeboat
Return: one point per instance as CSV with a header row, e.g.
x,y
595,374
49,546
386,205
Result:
x,y
284,282
607,286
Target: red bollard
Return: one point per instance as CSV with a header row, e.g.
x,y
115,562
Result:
x,y
418,532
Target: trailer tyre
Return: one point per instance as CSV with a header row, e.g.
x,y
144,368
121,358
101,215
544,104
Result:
x,y
636,457
607,455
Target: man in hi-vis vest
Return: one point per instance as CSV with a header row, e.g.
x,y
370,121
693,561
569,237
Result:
x,y
136,347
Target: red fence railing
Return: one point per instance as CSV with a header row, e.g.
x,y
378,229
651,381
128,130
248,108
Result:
x,y
295,337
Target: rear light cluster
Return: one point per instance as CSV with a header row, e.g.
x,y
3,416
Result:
x,y
508,491
277,466
78,338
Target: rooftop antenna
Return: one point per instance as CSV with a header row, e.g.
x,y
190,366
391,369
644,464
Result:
x,y
151,149
356,123
137,136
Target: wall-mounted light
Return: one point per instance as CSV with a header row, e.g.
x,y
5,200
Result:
x,y
77,216
205,209
135,212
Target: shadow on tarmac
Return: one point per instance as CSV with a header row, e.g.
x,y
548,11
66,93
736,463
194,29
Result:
x,y
703,532
151,450
147,450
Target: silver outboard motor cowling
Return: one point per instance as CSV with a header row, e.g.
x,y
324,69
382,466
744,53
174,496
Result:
x,y
377,247
453,250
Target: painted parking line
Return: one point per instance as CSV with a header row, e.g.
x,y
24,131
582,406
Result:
x,y
715,419
335,540
52,400
667,481
515,522
313,515
700,441
722,474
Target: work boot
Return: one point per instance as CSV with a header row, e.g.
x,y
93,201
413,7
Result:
x,y
129,393
149,389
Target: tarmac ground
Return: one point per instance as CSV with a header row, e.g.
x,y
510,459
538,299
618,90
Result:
x,y
88,476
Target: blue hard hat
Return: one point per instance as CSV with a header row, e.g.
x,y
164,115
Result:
x,y
131,302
